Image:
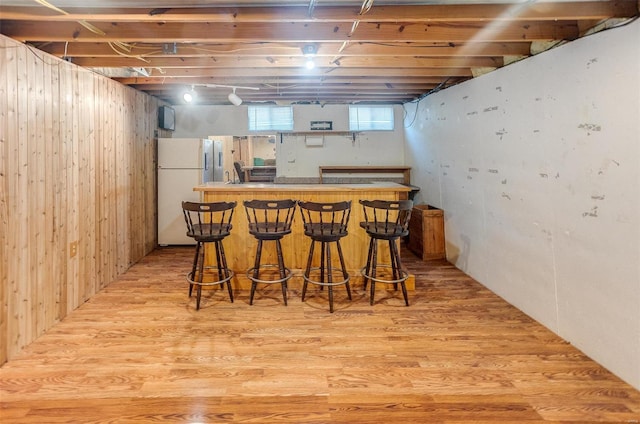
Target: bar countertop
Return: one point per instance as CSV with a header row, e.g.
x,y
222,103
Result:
x,y
378,186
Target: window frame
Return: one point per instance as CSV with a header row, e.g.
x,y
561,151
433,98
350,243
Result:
x,y
370,123
272,123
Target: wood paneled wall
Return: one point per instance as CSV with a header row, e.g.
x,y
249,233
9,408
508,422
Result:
x,y
77,188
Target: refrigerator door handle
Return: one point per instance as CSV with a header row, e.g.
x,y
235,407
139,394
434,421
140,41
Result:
x,y
219,159
206,162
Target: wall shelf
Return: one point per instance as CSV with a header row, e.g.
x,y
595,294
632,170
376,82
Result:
x,y
341,169
351,134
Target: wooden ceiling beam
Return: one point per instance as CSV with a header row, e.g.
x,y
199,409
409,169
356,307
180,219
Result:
x,y
587,10
291,62
168,82
391,53
306,94
292,32
261,49
318,72
290,90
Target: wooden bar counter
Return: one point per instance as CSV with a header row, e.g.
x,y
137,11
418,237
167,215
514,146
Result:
x,y
240,245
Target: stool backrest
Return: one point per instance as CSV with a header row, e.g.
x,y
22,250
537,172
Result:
x,y
238,167
387,217
208,220
270,216
325,219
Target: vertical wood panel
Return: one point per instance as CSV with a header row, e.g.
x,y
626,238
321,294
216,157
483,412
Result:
x,y
4,189
22,318
77,155
88,188
136,219
37,208
57,176
100,218
64,197
10,68
109,188
122,179
71,151
48,303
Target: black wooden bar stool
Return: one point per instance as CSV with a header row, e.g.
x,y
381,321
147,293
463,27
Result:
x,y
386,220
269,220
208,223
325,223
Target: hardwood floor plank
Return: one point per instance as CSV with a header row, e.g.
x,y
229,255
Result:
x,y
139,352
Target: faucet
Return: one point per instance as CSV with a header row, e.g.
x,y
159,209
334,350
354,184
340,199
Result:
x,y
226,173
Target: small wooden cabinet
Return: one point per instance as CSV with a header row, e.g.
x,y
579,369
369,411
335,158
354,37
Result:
x,y
426,232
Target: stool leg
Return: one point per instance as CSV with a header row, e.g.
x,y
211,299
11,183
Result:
x,y
308,270
327,247
283,273
395,269
256,270
398,262
374,262
345,274
200,278
225,268
367,268
194,267
323,248
219,260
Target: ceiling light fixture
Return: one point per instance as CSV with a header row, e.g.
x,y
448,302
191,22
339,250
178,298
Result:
x,y
233,97
309,51
189,96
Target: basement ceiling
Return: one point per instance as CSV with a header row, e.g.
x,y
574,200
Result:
x,y
364,52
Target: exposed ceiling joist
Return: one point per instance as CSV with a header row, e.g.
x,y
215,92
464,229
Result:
x,y
363,51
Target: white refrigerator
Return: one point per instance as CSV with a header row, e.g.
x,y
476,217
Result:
x,y
183,163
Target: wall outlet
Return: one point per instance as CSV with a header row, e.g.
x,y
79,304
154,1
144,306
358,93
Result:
x,y
73,249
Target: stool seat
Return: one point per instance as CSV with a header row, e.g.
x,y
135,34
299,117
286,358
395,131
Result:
x,y
325,223
208,223
389,221
326,232
269,220
383,230
207,233
269,230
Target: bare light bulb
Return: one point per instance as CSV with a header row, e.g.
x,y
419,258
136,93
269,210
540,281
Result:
x,y
190,95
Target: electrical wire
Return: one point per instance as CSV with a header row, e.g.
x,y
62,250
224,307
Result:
x,y
94,29
366,6
113,46
84,23
417,101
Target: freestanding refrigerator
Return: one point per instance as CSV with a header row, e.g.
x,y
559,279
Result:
x,y
183,163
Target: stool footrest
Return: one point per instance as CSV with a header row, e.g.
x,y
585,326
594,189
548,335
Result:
x,y
405,275
287,271
229,272
324,283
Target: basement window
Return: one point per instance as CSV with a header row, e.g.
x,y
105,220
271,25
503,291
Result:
x,y
268,118
371,118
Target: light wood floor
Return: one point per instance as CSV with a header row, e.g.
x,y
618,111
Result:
x,y
139,352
